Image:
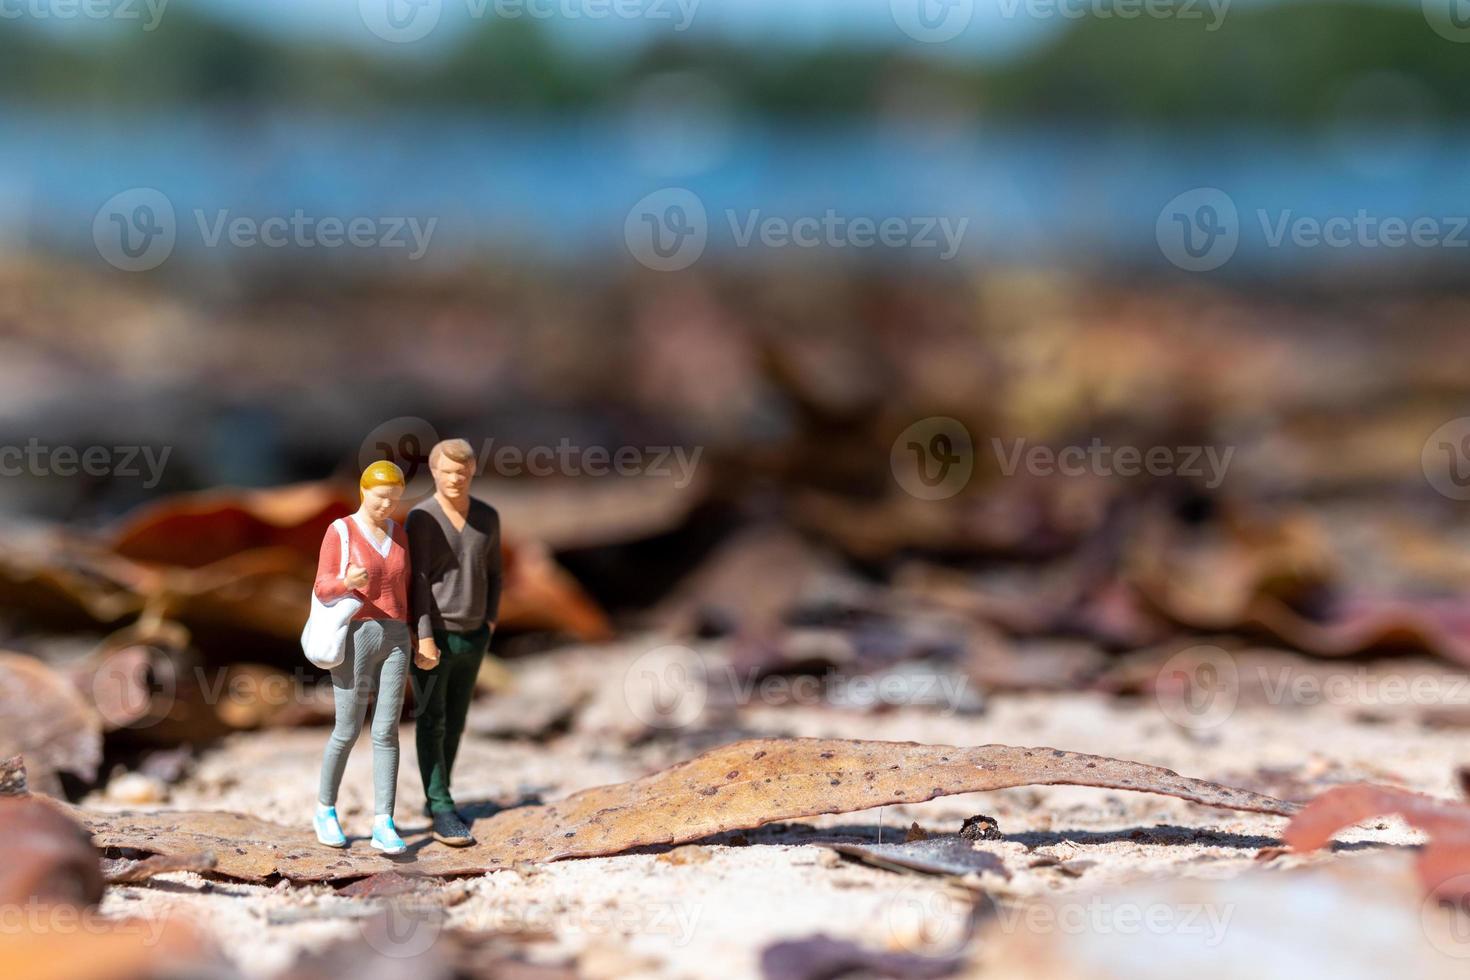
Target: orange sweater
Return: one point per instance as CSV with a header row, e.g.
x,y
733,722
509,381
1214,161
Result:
x,y
386,594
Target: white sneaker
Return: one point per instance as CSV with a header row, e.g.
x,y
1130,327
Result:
x,y
328,829
385,835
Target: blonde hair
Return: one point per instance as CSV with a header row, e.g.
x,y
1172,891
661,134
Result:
x,y
380,474
456,449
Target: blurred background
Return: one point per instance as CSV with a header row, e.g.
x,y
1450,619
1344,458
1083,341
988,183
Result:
x,y
1033,343
239,239
790,260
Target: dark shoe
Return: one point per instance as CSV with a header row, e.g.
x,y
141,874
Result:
x,y
449,829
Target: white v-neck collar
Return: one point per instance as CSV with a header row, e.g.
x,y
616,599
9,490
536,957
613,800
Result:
x,y
367,535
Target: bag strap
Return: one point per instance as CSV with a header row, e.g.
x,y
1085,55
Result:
x,y
341,525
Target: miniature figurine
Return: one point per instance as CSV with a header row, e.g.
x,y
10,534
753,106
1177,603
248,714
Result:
x,y
375,650
454,542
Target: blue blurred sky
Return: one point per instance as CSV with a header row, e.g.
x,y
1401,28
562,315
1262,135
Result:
x,y
998,27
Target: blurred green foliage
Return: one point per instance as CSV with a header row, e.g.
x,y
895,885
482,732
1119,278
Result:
x,y
1279,63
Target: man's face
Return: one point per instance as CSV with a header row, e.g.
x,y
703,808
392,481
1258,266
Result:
x,y
451,477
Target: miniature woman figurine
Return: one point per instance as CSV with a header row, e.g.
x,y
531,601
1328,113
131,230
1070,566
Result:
x,y
377,652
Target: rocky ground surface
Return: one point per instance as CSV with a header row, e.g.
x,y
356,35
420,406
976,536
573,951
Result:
x,y
1094,882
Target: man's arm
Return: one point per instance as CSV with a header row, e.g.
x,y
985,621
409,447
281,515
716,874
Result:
x,y
494,571
420,595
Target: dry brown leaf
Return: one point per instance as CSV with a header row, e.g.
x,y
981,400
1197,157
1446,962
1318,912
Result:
x,y
739,786
1443,864
45,857
238,560
198,529
121,871
1211,578
949,854
540,594
47,722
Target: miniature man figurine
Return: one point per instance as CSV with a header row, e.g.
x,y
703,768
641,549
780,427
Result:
x,y
454,552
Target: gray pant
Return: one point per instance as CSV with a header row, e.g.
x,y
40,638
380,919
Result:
x,y
375,661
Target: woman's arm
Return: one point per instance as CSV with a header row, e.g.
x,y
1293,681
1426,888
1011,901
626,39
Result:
x,y
329,586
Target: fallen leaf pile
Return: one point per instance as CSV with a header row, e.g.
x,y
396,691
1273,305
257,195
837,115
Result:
x,y
223,561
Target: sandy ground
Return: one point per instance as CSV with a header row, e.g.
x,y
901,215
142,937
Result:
x,y
709,911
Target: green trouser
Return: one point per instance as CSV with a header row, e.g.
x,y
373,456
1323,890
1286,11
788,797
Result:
x,y
442,699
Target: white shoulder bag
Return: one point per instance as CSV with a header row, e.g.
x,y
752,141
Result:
x,y
325,638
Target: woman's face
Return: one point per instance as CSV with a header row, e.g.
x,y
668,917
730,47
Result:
x,y
378,503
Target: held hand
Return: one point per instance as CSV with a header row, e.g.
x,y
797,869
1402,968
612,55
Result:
x,y
356,577
427,657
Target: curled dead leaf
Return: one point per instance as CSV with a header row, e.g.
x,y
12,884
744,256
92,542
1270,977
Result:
x,y
47,722
120,871
739,786
45,857
1443,864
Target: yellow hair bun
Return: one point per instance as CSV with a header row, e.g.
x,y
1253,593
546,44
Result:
x,y
381,474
